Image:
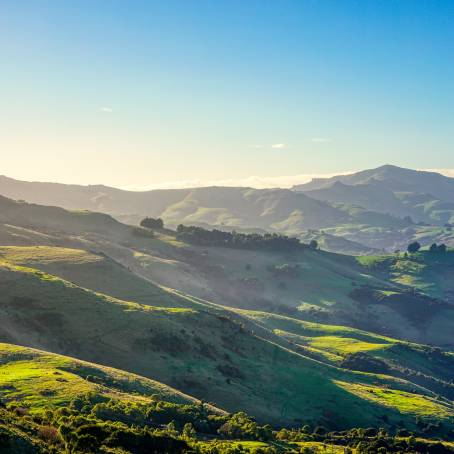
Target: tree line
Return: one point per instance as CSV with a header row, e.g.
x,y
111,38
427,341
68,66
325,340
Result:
x,y
236,240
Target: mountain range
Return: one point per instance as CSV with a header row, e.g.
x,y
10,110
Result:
x,y
378,209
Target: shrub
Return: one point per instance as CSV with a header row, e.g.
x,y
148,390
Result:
x,y
152,223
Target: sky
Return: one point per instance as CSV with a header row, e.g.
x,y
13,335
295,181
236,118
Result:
x,y
143,94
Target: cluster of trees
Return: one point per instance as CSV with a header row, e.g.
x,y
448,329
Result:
x,y
94,424
415,246
152,223
268,241
438,248
365,441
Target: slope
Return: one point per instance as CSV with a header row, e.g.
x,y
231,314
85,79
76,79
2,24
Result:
x,y
202,352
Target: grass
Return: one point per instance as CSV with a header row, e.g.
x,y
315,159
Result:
x,y
404,402
46,255
344,345
40,380
200,350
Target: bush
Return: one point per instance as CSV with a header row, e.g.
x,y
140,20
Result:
x,y
152,223
413,247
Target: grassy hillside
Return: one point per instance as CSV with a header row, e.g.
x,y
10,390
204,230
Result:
x,y
325,342
428,272
200,352
40,380
323,287
308,284
51,403
364,351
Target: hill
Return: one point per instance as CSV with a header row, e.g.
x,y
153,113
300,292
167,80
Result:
x,y
314,285
201,350
245,209
51,403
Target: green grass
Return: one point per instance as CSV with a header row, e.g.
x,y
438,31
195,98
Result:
x,y
404,402
40,380
199,350
344,345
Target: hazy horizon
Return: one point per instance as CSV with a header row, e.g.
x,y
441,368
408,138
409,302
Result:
x,y
258,182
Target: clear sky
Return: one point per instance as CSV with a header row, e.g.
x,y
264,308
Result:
x,y
141,93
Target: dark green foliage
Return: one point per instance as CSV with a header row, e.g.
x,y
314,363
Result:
x,y
313,244
437,248
87,426
413,247
268,241
241,427
370,440
152,223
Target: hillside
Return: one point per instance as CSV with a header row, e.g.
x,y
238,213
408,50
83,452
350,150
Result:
x,y
316,285
51,403
202,352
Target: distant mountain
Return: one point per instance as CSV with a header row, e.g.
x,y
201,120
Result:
x,y
393,178
381,208
372,196
424,196
223,207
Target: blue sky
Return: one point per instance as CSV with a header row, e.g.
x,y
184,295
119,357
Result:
x,y
142,93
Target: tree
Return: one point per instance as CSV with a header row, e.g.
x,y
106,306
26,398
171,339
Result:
x,y
152,223
442,248
413,247
438,249
189,432
313,244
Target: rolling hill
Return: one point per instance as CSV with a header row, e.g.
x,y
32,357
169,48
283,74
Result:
x,y
200,351
364,209
223,325
313,285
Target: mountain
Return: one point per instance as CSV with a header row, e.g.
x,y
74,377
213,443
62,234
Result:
x,y
424,196
372,196
395,179
216,206
241,209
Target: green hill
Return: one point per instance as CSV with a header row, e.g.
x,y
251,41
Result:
x,y
202,352
312,285
53,403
